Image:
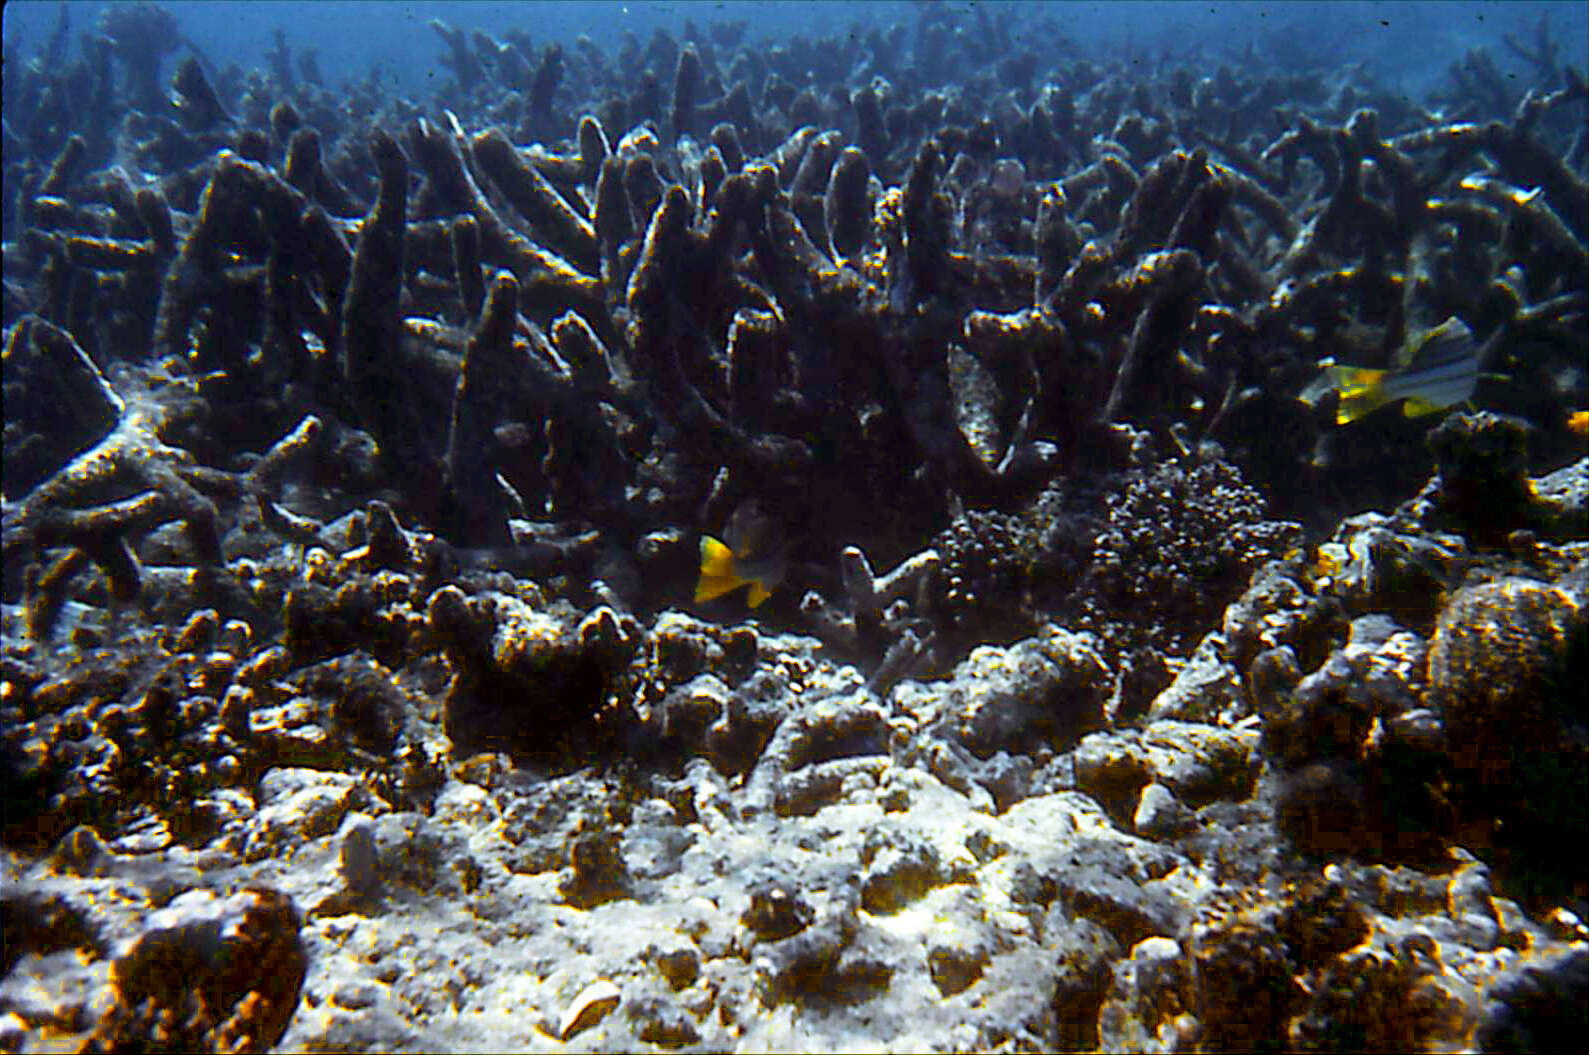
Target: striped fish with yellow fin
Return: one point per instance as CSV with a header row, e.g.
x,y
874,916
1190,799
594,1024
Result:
x,y
1438,369
750,553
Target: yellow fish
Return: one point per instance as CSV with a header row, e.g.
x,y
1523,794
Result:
x,y
1439,369
1578,422
747,558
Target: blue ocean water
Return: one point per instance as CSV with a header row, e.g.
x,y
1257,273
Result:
x,y
1406,45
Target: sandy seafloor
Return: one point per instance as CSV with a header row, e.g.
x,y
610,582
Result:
x,y
1126,679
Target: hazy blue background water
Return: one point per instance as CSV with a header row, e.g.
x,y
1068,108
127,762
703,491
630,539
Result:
x,y
1408,45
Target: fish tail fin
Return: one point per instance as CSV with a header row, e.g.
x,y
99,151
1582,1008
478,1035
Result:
x,y
758,593
1361,392
1417,408
718,574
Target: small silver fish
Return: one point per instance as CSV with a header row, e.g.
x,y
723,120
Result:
x,y
1439,369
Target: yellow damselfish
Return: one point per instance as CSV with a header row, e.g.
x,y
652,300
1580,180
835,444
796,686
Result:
x,y
720,575
750,556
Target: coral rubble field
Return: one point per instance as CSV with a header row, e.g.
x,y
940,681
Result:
x,y
361,452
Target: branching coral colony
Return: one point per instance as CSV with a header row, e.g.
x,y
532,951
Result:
x,y
579,306
1100,422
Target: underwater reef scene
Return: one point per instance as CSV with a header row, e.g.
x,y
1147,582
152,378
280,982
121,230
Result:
x,y
932,534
